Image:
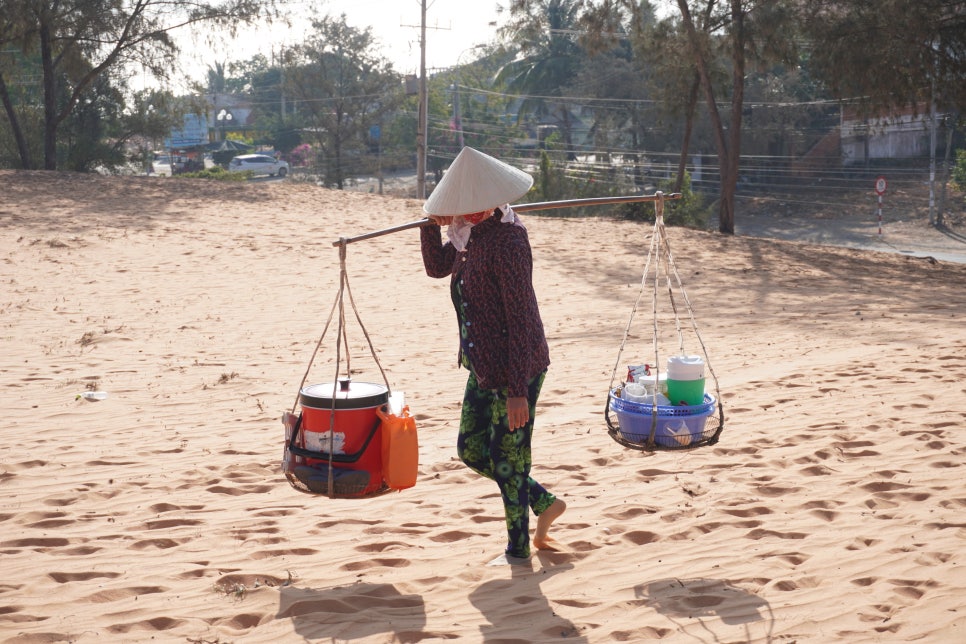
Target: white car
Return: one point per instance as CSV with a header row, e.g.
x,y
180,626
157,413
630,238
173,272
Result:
x,y
164,165
259,164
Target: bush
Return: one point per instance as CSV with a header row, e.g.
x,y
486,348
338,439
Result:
x,y
959,170
563,180
690,210
219,174
556,180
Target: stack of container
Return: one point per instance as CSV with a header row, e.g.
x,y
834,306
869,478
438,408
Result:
x,y
677,402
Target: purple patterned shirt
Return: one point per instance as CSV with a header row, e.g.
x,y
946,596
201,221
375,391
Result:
x,y
501,330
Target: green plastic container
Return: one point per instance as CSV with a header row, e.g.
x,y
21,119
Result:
x,y
685,380
685,392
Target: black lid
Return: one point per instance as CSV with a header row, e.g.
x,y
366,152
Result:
x,y
348,395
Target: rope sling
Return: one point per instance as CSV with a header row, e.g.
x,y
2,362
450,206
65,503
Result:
x,y
295,453
651,426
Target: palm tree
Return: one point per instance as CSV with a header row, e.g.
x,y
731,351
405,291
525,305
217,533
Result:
x,y
217,80
545,32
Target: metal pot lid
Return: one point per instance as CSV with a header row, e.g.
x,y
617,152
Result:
x,y
348,395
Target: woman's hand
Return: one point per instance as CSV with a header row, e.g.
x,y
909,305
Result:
x,y
442,220
517,412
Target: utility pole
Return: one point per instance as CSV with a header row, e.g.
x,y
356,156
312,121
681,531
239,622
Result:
x,y
422,137
932,155
422,133
281,79
457,117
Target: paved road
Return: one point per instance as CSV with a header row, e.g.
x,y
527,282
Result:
x,y
914,238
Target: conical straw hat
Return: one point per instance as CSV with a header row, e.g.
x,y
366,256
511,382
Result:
x,y
476,182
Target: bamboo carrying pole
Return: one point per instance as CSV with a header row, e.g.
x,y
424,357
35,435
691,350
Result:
x,y
524,207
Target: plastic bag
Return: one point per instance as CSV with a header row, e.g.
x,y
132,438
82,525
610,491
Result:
x,y
289,460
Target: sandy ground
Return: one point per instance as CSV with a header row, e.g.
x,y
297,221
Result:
x,y
832,509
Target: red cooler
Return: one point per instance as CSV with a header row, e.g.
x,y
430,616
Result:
x,y
356,439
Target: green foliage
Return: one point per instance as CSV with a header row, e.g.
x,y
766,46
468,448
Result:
x,y
83,48
558,179
218,173
483,114
285,137
147,118
343,88
550,181
223,157
959,170
261,82
892,53
85,143
544,30
690,210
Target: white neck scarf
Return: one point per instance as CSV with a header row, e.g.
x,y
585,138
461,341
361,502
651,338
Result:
x,y
459,230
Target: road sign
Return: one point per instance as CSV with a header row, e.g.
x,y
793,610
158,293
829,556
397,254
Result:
x,y
194,133
880,185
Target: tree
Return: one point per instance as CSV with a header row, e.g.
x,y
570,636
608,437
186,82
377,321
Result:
x,y
18,97
787,114
148,117
752,31
889,53
650,70
664,48
262,83
342,88
77,42
959,170
217,80
545,32
718,41
465,106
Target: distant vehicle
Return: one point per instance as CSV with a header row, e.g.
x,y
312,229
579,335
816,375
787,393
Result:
x,y
259,164
164,165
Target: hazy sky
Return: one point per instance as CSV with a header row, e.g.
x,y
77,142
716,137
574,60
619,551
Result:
x,y
452,28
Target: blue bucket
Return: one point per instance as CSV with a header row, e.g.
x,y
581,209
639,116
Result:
x,y
677,425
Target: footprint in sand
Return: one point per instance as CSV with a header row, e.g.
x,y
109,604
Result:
x,y
164,524
117,594
629,513
238,491
451,536
755,511
864,581
762,533
382,546
862,543
156,624
39,544
67,577
285,552
641,537
160,544
375,563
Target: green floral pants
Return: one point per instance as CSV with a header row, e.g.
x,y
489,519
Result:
x,y
488,447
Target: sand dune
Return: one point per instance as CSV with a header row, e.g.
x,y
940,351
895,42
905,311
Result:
x,y
832,509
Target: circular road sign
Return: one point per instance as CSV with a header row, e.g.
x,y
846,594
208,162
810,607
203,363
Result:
x,y
880,185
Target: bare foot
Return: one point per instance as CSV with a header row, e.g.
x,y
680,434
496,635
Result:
x,y
540,539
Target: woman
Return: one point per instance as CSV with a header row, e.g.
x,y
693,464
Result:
x,y
502,341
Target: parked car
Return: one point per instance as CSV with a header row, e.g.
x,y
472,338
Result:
x,y
164,165
259,164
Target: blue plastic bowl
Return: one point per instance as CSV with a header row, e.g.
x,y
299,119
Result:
x,y
677,425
